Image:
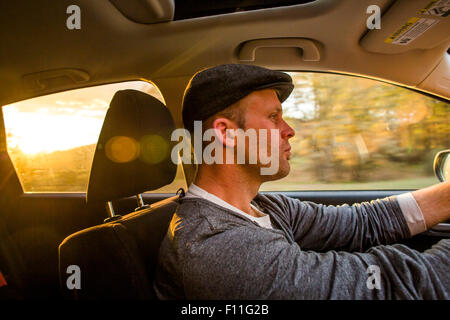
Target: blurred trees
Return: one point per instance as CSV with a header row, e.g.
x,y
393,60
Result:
x,y
352,129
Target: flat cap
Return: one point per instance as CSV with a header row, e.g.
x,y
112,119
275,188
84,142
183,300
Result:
x,y
214,89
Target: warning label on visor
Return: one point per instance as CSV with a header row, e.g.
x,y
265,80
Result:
x,y
411,30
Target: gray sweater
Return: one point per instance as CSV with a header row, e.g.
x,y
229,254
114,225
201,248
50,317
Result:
x,y
313,252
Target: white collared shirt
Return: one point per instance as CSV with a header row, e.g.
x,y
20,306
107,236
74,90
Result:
x,y
196,191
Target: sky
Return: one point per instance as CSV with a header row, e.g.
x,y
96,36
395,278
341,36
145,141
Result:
x,y
63,120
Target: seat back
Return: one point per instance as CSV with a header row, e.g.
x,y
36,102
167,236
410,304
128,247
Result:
x,y
117,259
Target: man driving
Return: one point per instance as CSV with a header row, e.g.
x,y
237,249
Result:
x,y
227,241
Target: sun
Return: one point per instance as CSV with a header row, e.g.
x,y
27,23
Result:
x,y
48,131
63,120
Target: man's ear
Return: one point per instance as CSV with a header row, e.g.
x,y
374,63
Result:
x,y
224,131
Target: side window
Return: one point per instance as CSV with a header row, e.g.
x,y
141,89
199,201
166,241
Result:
x,y
361,134
51,139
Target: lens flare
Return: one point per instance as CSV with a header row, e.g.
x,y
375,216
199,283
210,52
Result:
x,y
122,149
154,149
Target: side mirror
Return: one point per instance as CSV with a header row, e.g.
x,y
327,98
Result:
x,y
441,165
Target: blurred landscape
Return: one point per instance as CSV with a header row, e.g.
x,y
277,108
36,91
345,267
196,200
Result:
x,y
354,133
64,171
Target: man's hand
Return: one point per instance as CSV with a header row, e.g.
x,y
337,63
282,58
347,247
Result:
x,y
434,202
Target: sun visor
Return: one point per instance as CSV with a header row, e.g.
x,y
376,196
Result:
x,y
409,25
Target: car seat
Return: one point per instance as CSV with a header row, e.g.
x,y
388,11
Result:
x,y
117,259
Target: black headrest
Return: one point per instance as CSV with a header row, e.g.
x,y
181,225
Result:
x,y
133,153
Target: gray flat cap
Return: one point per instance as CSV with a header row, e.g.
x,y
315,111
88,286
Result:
x,y
212,90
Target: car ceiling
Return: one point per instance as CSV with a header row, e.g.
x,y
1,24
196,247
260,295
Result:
x,y
110,47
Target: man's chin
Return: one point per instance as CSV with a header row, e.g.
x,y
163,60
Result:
x,y
282,172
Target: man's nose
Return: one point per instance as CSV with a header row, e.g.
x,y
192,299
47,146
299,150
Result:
x,y
287,131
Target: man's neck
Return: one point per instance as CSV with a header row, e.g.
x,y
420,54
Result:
x,y
232,185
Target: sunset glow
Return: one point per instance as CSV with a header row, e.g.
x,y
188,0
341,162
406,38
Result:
x,y
63,120
47,131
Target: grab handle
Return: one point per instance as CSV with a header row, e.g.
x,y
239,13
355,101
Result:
x,y
310,51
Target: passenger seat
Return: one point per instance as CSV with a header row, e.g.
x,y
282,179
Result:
x,y
117,259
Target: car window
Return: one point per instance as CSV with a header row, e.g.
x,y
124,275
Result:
x,y
51,139
360,134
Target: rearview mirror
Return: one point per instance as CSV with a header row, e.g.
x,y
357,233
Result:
x,y
441,165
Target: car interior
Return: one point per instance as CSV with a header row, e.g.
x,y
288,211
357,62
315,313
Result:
x,y
112,231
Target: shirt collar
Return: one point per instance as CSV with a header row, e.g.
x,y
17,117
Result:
x,y
196,191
